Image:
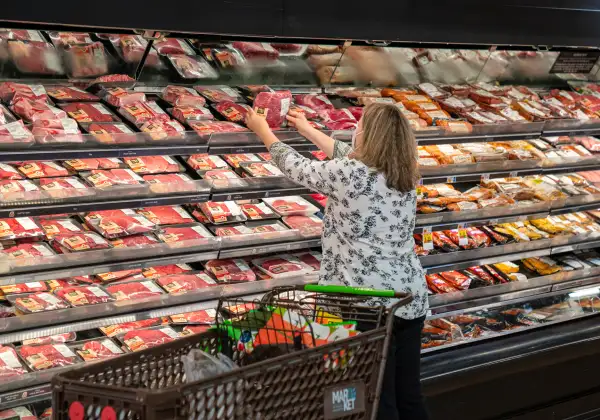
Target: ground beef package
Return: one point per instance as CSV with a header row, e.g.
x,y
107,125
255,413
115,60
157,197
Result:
x,y
117,223
230,270
83,295
178,284
166,215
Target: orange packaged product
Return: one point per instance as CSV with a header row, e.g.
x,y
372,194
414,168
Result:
x,y
479,237
463,206
420,106
455,236
389,92
528,112
431,116
406,97
463,127
448,154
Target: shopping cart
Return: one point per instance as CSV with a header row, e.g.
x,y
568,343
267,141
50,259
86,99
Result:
x,y
283,371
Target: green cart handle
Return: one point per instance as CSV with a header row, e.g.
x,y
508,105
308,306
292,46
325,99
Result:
x,y
358,291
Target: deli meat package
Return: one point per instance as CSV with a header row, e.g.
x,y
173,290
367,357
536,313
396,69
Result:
x,y
274,106
88,112
112,177
111,133
37,302
220,93
10,366
153,165
46,169
134,290
79,241
165,270
222,212
32,111
19,227
116,223
48,356
19,413
83,295
309,226
79,165
144,339
206,317
178,284
175,234
284,265
166,215
182,96
118,329
97,349
230,270
291,206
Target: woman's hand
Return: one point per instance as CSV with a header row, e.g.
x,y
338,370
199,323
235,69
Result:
x,y
299,121
257,123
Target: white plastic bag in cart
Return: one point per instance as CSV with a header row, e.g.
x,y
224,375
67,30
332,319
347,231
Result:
x,y
199,365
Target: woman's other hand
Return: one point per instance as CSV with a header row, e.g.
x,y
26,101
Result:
x,y
299,121
257,123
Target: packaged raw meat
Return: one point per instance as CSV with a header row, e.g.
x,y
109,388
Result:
x,y
83,295
205,162
134,290
309,226
173,46
232,111
258,211
144,339
47,356
220,93
80,241
198,215
37,302
15,132
8,172
284,265
117,329
132,48
17,413
112,78
35,58
63,130
111,177
153,164
178,284
342,125
10,91
97,349
163,130
232,230
166,215
87,112
291,206
437,284
165,270
310,258
266,227
10,366
222,212
182,96
212,127
44,169
112,276
236,159
225,57
31,287
168,183
118,97
186,234
86,60
206,317
69,93
28,253
141,112
274,106
46,414
260,170
111,133
79,165
311,114
256,50
67,187
19,227
32,111
117,223
219,174
184,113
314,102
229,270
134,241
52,339
192,67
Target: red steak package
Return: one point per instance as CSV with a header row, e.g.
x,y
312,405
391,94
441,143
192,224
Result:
x,y
45,169
111,133
144,339
192,67
120,97
36,58
18,413
309,226
54,227
281,266
79,241
166,215
153,165
86,60
117,223
134,241
10,92
235,159
141,112
456,279
97,349
117,329
31,287
165,270
212,127
28,253
315,102
310,258
260,170
182,96
120,275
173,46
219,93
191,113
111,177
230,270
63,130
232,111
9,172
84,112
178,284
37,302
291,206
83,295
173,234
256,50
336,115
10,366
206,317
222,212
69,93
16,189
206,162
52,339
274,106
161,129
15,132
19,227
134,290
258,211
35,110
48,356
438,285
79,165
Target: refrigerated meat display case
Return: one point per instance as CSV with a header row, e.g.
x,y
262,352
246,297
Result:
x,y
132,196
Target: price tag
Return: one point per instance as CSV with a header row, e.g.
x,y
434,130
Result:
x,y
485,178
513,174
427,239
451,180
493,222
463,238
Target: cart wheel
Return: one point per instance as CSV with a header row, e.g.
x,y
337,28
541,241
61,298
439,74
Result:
x,y
108,413
76,411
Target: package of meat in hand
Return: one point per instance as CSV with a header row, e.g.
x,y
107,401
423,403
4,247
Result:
x,y
111,133
134,241
28,254
165,270
111,177
284,265
309,113
36,110
10,366
15,132
117,329
310,258
222,212
205,317
232,230
179,284
10,92
63,130
19,227
163,130
219,175
220,93
134,290
67,187
83,295
111,276
309,226
79,241
119,97
166,215
186,235
97,349
145,339
314,102
273,106
47,356
142,112
229,270
205,162
258,211
205,128
37,302
17,413
9,172
52,339
117,223
236,159
88,112
80,165
291,206
184,113
456,279
19,288
54,227
153,165
182,96
69,94
260,170
232,111
43,169
192,67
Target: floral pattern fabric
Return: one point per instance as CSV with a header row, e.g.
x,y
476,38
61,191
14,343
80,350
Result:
x,y
368,227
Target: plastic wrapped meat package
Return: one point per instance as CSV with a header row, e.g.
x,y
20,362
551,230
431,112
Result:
x,y
111,133
132,47
15,133
134,290
10,365
109,178
261,169
236,159
32,111
141,112
83,295
88,112
310,113
222,212
48,356
232,230
10,91
205,162
256,50
163,130
310,258
184,113
165,270
35,58
19,228
9,172
67,187
230,270
206,317
309,226
117,223
284,265
182,96
204,128
37,302
144,339
56,131
52,339
69,93
186,235
86,60
291,206
314,102
97,349
46,169
220,93
17,190
178,284
192,67
232,111
19,288
166,215
169,183
123,275
19,413
80,165
29,254
134,241
144,165
274,106
79,241
172,46
118,329
258,211
118,97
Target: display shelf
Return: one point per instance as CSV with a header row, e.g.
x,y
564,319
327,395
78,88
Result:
x,y
29,388
265,249
249,188
482,133
571,128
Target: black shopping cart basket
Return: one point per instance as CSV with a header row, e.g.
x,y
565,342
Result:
x,y
298,356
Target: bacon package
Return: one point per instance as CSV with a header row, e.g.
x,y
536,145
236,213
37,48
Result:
x,y
141,112
258,211
153,165
175,234
118,329
79,165
111,133
118,97
291,206
47,356
182,96
28,253
212,127
112,177
134,241
54,227
165,270
220,93
134,290
309,226
166,215
44,169
178,284
97,349
69,93
273,106
37,302
284,265
88,112
117,223
144,339
206,317
83,295
10,366
163,130
205,162
79,241
229,270
222,212
19,227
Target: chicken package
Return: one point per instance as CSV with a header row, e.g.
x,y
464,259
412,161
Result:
x,y
222,212
30,287
69,93
258,211
137,340
274,106
37,302
10,366
112,276
18,413
15,132
117,223
28,253
205,162
153,165
310,258
166,215
97,349
291,206
32,111
178,284
134,241
260,170
309,226
284,265
192,113
219,93
205,128
10,92
232,111
165,270
111,133
83,295
229,270
19,227
88,112
79,241
192,66
118,329
206,317
182,96
134,290
163,130
437,284
184,234
111,177
236,159
52,339
80,165
48,356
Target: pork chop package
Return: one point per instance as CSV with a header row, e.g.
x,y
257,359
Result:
x,y
220,93
69,94
284,265
96,349
83,295
232,111
205,162
178,284
165,270
274,106
36,110
258,211
192,67
222,212
140,112
19,228
144,165
166,215
184,113
291,206
205,128
37,302
117,223
229,270
17,413
15,132
80,165
163,130
206,317
48,356
182,96
118,97
137,340
183,233
79,241
118,329
88,112
10,366
45,169
111,133
134,290
62,130
309,226
111,177
60,226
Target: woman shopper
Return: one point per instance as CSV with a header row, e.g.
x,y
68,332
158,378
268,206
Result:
x,y
368,228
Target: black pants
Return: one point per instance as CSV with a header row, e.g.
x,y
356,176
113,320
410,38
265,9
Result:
x,y
401,397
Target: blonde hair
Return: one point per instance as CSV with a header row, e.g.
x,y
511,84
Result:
x,y
389,146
